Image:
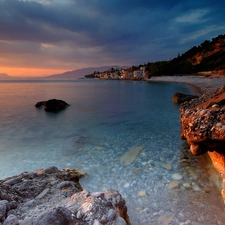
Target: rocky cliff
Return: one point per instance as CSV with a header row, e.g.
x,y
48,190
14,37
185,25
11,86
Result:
x,y
203,126
51,196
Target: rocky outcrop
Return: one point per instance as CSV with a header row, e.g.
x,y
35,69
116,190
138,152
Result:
x,y
51,196
180,97
203,126
52,105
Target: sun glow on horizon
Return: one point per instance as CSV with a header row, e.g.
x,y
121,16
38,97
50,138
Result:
x,y
30,72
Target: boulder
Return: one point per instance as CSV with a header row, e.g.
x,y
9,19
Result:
x,y
52,105
52,196
180,97
203,126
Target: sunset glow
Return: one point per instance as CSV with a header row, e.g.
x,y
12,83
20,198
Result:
x,y
30,72
40,37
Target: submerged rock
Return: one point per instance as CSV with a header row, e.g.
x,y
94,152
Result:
x,y
52,105
203,126
51,196
130,156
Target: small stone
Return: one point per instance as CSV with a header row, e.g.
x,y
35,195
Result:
x,y
165,220
13,205
142,193
64,184
167,166
187,185
127,185
130,156
42,194
137,170
195,187
173,184
176,176
51,170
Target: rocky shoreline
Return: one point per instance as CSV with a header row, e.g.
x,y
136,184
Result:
x,y
202,119
51,196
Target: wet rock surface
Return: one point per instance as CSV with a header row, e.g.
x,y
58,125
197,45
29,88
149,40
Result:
x,y
52,105
203,126
51,196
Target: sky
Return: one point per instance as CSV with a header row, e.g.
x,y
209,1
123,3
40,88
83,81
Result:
x,y
45,37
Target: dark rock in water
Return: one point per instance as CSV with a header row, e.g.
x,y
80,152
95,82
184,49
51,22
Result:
x,y
180,97
52,196
40,104
52,105
203,126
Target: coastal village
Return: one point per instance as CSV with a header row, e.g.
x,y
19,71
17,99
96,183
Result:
x,y
121,74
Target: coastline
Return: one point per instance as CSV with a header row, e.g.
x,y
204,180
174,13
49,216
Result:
x,y
198,84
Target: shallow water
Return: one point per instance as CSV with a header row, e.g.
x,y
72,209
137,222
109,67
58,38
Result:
x,y
106,119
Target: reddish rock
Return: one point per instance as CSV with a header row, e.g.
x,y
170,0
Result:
x,y
180,97
203,126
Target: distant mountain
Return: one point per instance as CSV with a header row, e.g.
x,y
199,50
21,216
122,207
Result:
x,y
79,73
5,76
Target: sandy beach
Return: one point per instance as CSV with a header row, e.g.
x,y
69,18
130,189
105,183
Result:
x,y
198,84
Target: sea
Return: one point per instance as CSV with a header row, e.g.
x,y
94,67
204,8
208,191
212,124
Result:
x,y
107,122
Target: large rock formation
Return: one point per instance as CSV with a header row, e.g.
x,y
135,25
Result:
x,y
50,196
52,105
203,126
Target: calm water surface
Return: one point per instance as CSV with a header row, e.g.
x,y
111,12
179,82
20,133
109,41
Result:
x,y
105,120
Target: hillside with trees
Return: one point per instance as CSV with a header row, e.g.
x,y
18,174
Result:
x,y
208,56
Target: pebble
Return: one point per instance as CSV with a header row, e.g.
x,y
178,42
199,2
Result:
x,y
187,185
167,166
142,193
130,156
176,176
195,187
173,184
136,170
42,194
165,220
64,184
127,185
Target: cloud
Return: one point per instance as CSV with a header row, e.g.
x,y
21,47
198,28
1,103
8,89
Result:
x,y
72,34
195,16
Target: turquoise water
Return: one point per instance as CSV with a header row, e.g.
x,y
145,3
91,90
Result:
x,y
105,120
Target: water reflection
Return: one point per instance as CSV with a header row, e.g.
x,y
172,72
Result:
x,y
164,185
